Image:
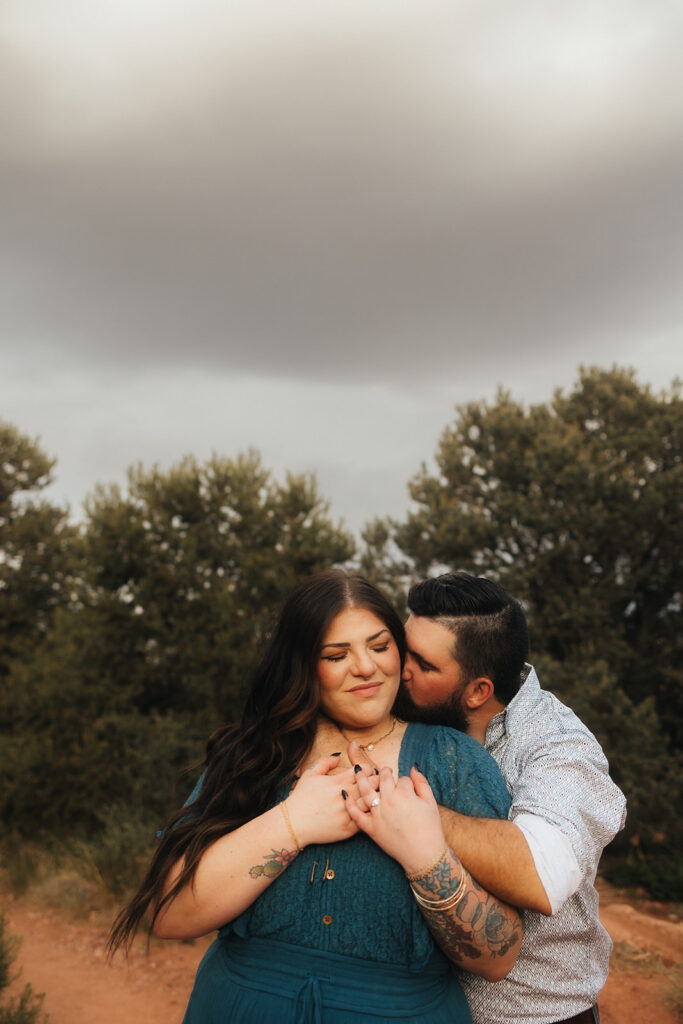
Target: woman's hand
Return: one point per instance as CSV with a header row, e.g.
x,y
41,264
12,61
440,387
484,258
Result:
x,y
316,806
235,869
405,822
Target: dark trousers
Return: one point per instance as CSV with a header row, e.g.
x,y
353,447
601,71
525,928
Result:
x,y
591,1016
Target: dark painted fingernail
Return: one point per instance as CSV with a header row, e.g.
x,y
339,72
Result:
x,y
376,771
357,768
416,765
338,754
344,794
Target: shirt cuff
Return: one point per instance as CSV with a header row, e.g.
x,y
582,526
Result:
x,y
554,859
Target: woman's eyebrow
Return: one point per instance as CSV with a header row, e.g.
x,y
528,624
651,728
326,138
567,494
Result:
x,y
368,640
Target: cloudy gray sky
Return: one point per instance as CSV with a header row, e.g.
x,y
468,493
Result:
x,y
316,228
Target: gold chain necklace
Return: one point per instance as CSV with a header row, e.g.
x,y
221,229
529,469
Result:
x,y
365,747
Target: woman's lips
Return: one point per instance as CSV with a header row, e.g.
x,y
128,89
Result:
x,y
365,689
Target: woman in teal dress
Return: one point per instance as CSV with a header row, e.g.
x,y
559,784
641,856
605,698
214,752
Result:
x,y
335,894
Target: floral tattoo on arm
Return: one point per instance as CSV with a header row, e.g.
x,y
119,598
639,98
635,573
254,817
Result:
x,y
274,864
476,925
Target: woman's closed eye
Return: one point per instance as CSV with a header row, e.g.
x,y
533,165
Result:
x,y
340,657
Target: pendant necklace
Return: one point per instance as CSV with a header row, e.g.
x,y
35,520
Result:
x,y
365,747
328,872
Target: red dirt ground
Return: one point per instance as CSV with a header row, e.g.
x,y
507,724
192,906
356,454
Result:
x,y
64,958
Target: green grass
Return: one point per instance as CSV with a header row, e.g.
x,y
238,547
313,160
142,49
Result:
x,y
80,874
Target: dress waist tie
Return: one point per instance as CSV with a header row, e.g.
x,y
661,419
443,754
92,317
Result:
x,y
262,979
309,1002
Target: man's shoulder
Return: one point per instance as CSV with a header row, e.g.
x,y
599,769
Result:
x,y
550,713
538,709
536,719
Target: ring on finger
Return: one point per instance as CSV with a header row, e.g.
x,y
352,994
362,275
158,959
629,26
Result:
x,y
375,802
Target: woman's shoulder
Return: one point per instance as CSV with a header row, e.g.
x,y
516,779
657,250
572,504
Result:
x,y
461,772
442,739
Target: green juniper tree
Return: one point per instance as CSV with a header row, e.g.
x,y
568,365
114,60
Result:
x,y
575,506
181,575
36,553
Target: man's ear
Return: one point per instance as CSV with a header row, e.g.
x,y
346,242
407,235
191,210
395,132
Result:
x,y
477,693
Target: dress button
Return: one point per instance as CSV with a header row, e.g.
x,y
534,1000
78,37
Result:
x,y
327,919
329,874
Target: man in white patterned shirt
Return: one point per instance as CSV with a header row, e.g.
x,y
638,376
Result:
x,y
466,667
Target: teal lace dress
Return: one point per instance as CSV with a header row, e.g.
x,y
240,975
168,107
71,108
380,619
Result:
x,y
338,938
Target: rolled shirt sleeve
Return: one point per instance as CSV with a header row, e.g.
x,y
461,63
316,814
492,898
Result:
x,y
565,781
554,859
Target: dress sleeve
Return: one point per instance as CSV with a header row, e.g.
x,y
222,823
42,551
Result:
x,y
196,791
190,800
464,776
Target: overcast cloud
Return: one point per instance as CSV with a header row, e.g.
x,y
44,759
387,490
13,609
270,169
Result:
x,y
315,228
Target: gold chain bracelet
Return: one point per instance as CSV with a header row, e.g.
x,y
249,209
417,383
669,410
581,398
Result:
x,y
288,823
415,876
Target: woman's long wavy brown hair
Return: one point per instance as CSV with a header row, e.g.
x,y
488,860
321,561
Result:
x,y
247,761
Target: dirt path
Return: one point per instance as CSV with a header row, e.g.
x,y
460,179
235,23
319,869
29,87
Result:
x,y
648,947
65,959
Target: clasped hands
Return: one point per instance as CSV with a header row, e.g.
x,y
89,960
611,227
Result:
x,y
401,816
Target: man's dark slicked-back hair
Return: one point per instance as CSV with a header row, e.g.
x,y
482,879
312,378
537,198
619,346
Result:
x,y
489,625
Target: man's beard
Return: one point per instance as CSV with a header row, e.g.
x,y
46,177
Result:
x,y
448,712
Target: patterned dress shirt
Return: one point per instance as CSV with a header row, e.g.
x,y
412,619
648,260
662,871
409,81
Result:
x,y
554,768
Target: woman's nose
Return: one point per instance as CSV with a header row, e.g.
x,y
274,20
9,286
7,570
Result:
x,y
363,664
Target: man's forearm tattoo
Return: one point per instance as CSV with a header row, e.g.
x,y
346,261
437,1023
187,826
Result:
x,y
477,925
275,862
